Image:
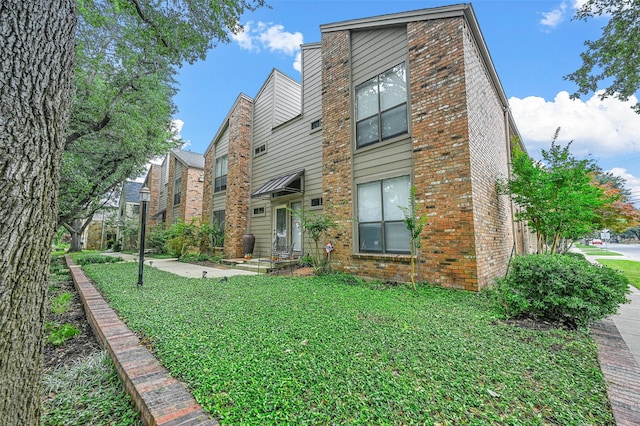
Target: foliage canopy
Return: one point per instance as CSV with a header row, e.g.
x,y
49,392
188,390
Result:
x,y
614,57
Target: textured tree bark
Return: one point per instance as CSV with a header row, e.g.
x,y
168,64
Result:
x,y
36,68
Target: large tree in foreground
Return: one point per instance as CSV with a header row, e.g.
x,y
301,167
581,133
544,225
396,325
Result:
x,y
37,51
615,57
36,67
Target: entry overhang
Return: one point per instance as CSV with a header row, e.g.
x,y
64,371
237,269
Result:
x,y
279,184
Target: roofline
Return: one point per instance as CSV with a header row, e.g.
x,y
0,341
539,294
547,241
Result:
x,y
225,122
177,157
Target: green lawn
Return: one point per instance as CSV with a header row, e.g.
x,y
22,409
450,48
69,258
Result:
x,y
630,268
596,251
332,350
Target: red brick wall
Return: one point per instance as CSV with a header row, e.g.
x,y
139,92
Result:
x,y
238,183
442,173
191,199
489,147
442,162
170,183
336,146
152,182
207,187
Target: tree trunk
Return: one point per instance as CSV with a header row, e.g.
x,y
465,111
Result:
x,y
36,68
76,229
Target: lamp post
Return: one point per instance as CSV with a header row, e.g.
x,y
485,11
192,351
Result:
x,y
145,196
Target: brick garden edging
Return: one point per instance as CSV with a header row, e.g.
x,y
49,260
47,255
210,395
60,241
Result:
x,y
621,372
161,399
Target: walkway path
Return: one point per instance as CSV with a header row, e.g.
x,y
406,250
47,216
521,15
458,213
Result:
x,y
183,269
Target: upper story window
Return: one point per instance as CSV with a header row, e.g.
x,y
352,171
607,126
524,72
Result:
x,y
221,174
381,107
177,191
381,227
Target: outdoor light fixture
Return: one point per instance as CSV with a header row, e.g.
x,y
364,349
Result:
x,y
204,274
145,196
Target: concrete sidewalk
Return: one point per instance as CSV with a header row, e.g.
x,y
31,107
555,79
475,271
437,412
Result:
x,y
618,340
627,320
183,269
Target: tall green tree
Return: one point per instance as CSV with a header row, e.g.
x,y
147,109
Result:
x,y
614,58
37,61
556,196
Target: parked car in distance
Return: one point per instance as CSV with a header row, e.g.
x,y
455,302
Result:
x,y
596,241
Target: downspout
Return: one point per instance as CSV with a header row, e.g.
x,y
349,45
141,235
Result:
x,y
508,145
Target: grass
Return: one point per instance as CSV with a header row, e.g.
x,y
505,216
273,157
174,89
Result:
x,y
332,350
629,268
87,393
596,251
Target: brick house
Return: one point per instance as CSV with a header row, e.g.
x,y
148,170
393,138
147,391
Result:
x,y
184,182
384,103
129,214
152,181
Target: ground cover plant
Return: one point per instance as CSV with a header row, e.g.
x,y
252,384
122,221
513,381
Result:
x,y
333,350
88,392
79,385
630,268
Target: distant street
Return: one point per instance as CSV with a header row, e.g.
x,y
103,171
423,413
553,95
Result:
x,y
632,251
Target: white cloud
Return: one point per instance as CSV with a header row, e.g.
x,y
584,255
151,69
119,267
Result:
x,y
273,37
176,127
278,40
555,17
558,15
244,39
297,63
601,128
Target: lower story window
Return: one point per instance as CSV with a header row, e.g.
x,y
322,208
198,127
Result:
x,y
381,227
218,217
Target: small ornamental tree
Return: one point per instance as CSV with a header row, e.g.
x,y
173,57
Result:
x,y
316,225
415,224
557,196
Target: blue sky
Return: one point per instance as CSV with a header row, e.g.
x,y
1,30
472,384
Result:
x,y
533,44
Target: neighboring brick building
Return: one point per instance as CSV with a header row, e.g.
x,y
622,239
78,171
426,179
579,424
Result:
x,y
185,183
152,181
384,103
129,215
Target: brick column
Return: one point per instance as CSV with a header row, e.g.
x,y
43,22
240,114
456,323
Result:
x,y
442,172
336,144
238,177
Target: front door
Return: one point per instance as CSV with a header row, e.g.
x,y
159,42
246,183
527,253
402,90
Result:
x,y
280,230
296,226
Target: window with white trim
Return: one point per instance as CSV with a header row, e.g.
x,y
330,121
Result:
x,y
381,107
381,227
220,183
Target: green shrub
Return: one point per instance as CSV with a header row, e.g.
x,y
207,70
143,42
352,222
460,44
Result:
x,y
575,255
158,239
306,260
85,259
561,288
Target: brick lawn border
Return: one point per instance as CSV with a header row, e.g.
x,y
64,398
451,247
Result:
x,y
161,399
